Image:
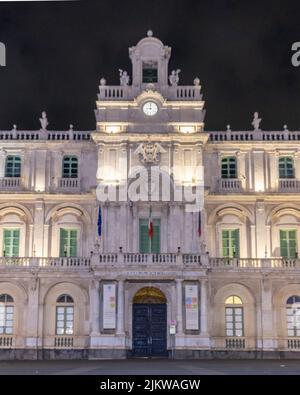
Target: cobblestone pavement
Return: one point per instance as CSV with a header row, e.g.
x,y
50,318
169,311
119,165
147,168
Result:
x,y
151,367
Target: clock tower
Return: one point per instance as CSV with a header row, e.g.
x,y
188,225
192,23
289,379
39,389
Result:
x,y
148,121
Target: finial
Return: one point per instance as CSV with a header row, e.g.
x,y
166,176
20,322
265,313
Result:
x,y
196,81
103,81
149,33
228,128
71,127
285,128
14,127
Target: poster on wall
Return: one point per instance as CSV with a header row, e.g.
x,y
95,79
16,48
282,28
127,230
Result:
x,y
191,307
109,306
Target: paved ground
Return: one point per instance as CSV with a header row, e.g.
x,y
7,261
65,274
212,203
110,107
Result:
x,y
151,367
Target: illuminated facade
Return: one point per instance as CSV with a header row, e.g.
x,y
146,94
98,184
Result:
x,y
77,281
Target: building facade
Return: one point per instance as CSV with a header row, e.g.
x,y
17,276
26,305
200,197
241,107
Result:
x,y
97,262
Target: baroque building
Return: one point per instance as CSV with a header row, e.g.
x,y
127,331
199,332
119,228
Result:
x,y
99,259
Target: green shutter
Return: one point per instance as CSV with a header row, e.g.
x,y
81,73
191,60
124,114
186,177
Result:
x,y
68,242
155,242
11,242
230,243
288,243
144,237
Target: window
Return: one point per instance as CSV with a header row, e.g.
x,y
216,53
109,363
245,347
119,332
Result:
x,y
149,72
6,314
286,167
65,315
234,316
11,242
146,244
293,316
230,243
229,167
288,243
68,242
13,166
70,167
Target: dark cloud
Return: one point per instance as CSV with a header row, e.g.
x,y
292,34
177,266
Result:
x,y
58,51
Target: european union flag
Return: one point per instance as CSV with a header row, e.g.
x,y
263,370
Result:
x,y
99,223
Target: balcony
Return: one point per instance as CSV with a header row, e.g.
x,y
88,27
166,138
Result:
x,y
230,185
289,185
69,184
164,260
10,184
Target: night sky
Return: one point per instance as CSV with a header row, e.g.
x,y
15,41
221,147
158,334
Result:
x,y
241,51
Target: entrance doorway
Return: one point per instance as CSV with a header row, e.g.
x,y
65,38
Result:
x,y
149,323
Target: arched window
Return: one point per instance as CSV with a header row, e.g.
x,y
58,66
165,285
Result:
x,y
234,316
64,315
286,167
229,167
6,314
293,316
70,167
13,166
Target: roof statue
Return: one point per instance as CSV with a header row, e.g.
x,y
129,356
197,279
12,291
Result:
x,y
256,121
174,77
124,78
44,121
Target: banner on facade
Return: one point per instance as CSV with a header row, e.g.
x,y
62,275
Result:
x,y
191,307
109,306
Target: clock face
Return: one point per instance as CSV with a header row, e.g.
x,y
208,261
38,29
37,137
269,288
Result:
x,y
150,108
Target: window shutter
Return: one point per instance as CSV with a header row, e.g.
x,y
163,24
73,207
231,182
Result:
x,y
144,238
155,243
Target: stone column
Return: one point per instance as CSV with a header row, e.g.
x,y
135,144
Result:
x,y
179,306
38,229
120,317
203,306
94,307
260,228
2,162
32,313
267,341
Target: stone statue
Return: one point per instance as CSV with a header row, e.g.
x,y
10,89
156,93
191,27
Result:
x,y
103,81
71,128
285,128
124,78
14,129
256,121
174,77
44,121
228,128
196,81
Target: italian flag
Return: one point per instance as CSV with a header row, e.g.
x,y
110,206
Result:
x,y
150,225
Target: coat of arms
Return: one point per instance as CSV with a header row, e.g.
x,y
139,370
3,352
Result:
x,y
149,152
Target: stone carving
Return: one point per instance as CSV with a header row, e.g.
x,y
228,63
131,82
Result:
x,y
149,152
14,129
256,121
124,78
285,128
103,81
196,81
174,77
150,33
228,128
44,121
71,128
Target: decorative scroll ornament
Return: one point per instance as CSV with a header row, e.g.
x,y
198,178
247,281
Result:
x,y
149,152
